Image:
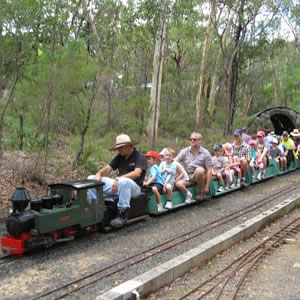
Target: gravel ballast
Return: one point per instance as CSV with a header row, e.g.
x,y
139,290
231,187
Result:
x,y
37,272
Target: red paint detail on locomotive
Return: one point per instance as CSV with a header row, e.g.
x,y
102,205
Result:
x,y
70,231
14,245
64,219
55,235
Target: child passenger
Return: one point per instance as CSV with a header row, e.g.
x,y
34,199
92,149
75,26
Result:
x,y
259,163
155,179
276,154
181,179
252,163
219,168
168,170
234,164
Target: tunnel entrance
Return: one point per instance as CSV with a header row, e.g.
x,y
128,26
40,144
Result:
x,y
277,119
281,123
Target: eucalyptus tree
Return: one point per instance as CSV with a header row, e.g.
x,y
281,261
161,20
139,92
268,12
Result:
x,y
27,29
246,13
203,85
184,48
16,50
158,60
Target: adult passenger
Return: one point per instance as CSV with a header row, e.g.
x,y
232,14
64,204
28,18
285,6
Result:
x,y
131,165
271,135
266,150
296,137
198,164
290,147
243,152
245,135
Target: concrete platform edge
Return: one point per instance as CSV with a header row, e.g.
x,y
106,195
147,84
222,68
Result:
x,y
169,271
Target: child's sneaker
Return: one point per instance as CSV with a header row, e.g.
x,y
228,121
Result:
x,y
221,188
259,176
188,197
159,208
242,182
168,205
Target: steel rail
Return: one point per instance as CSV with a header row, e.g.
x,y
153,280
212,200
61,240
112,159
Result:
x,y
264,252
242,260
166,245
8,258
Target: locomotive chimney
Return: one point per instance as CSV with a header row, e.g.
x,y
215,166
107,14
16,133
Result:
x,y
20,199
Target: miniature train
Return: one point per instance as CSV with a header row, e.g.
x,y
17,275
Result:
x,y
69,211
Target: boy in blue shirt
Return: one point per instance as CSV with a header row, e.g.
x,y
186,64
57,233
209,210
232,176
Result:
x,y
155,179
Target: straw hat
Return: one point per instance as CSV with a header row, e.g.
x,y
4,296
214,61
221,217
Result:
x,y
295,132
122,140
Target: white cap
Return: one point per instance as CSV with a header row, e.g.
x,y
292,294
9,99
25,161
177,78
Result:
x,y
162,152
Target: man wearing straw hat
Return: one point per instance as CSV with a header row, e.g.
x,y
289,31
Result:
x,y
296,137
131,165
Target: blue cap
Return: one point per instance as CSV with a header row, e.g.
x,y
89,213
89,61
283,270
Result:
x,y
237,132
244,129
218,146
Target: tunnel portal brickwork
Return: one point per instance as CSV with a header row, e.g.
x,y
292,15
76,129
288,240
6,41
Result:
x,y
276,119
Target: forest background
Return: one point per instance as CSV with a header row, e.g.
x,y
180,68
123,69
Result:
x,y
76,73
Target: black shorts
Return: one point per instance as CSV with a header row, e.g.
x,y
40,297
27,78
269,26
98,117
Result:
x,y
159,187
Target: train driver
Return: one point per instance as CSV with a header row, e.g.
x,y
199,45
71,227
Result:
x,y
131,165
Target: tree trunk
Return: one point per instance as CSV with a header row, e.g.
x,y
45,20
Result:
x,y
48,105
248,95
202,92
21,135
152,127
276,87
96,88
97,82
3,113
214,85
167,76
231,71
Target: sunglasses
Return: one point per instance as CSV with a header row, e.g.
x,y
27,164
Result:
x,y
193,140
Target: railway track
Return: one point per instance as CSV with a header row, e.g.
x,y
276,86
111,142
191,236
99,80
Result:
x,y
109,270
229,280
4,259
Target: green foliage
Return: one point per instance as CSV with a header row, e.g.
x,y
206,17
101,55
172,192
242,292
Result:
x,y
33,141
50,47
